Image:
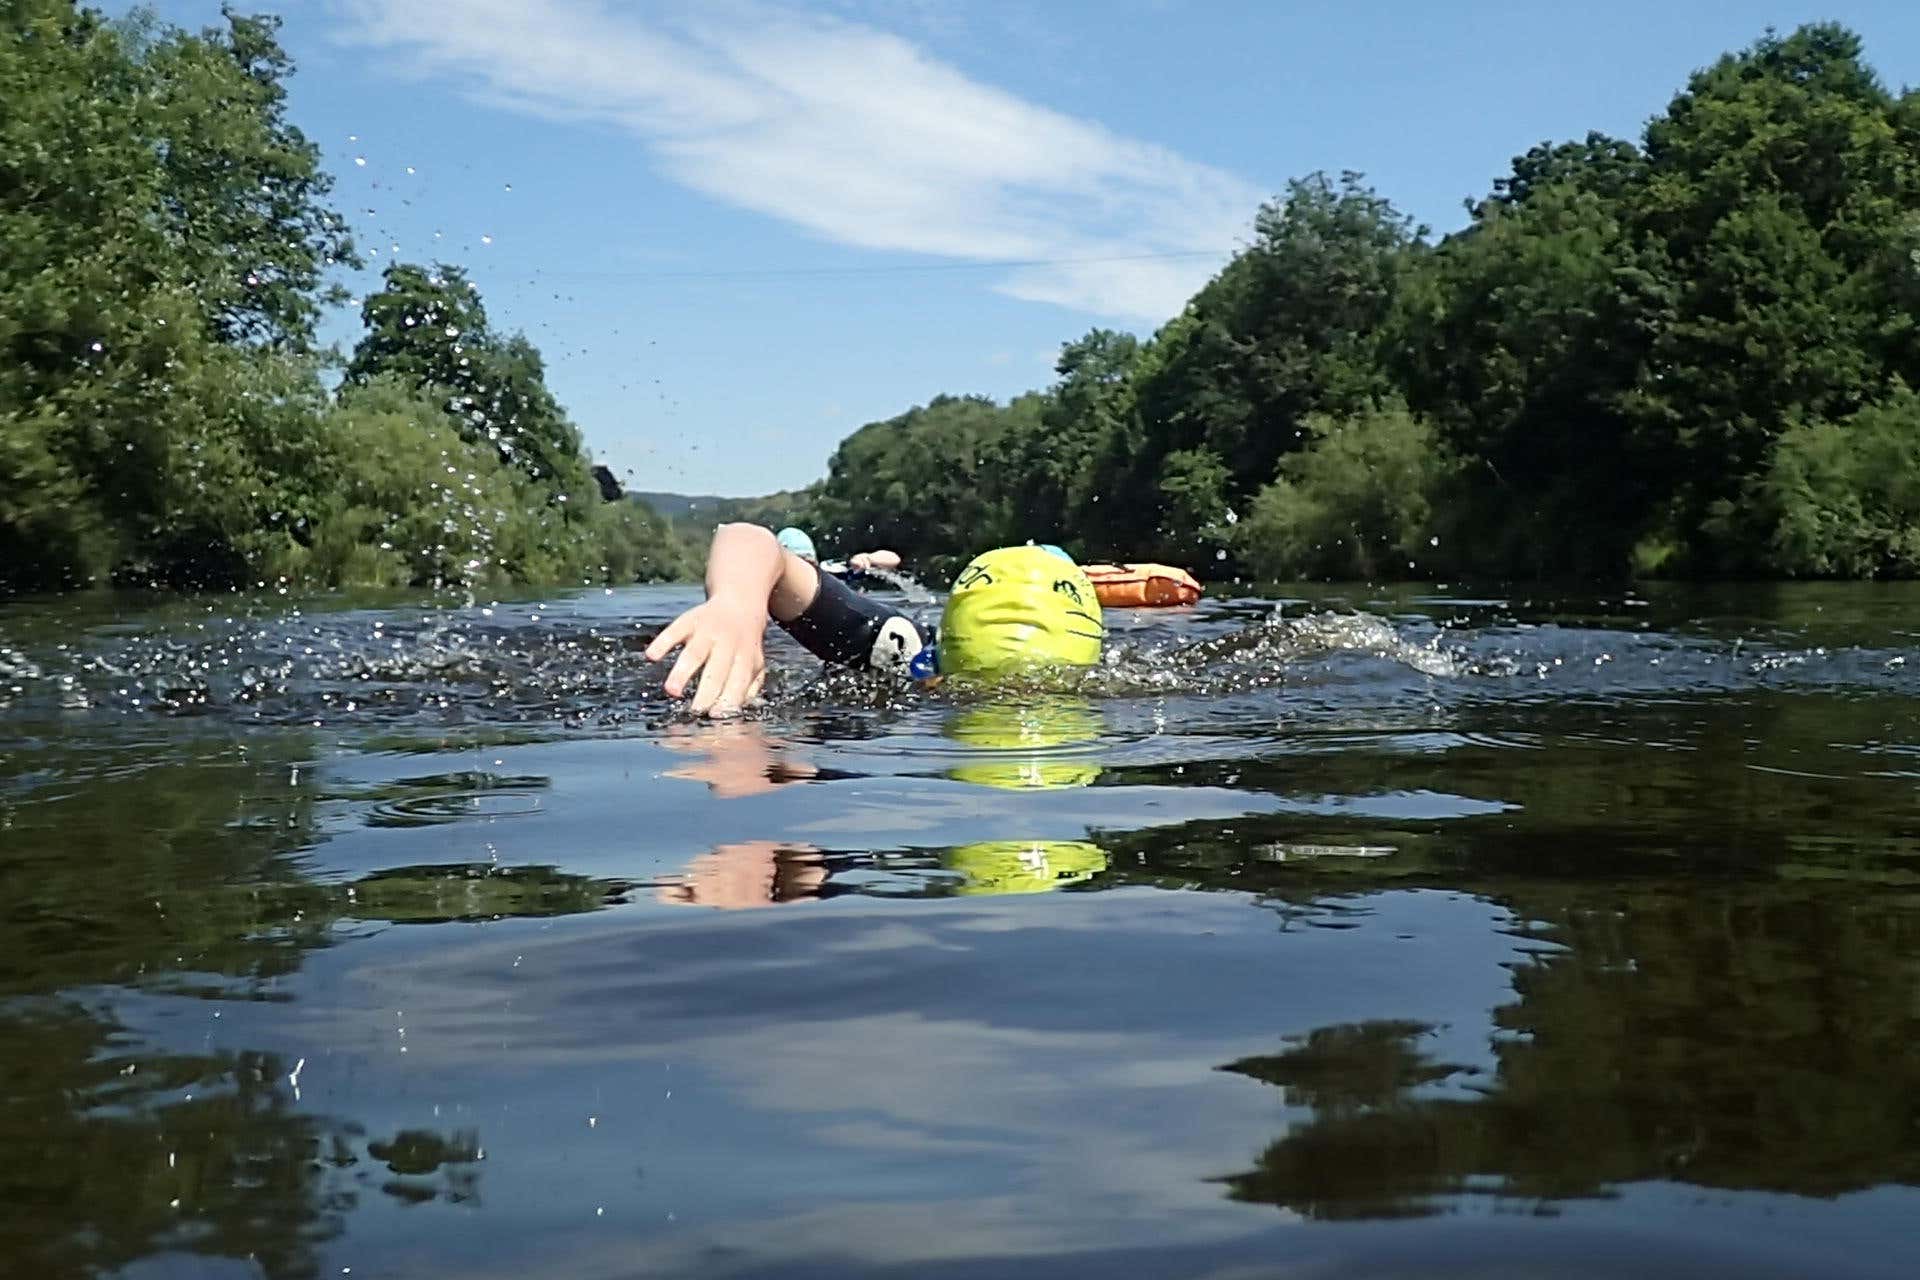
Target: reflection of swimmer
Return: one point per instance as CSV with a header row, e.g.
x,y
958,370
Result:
x,y
769,873
737,760
1010,608
1018,748
1023,866
1026,745
750,873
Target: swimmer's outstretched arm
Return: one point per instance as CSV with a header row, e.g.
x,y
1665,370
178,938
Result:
x,y
749,578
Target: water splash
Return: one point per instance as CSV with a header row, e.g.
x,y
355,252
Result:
x,y
577,662
916,594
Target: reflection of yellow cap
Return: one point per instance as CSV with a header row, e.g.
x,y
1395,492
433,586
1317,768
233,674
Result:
x,y
1024,866
1016,741
1020,606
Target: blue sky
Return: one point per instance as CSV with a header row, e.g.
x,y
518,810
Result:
x,y
739,230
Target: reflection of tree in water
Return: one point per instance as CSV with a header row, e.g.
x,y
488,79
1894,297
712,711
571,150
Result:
x,y
1739,1037
414,1156
1739,992
182,876
1370,1150
113,1156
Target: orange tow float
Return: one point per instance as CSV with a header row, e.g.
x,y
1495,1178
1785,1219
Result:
x,y
1142,586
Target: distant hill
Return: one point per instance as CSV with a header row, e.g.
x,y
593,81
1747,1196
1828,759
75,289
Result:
x,y
690,512
675,505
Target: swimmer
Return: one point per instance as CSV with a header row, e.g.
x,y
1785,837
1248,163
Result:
x,y
801,544
1010,608
797,541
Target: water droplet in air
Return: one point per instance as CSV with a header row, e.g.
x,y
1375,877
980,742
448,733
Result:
x,y
486,239
361,161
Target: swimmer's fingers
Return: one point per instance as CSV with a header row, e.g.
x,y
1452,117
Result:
x,y
712,677
692,659
730,680
743,688
718,680
677,631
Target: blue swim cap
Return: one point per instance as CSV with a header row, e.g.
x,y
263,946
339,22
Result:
x,y
797,541
1048,546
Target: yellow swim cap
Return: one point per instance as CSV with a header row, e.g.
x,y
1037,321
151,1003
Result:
x,y
1020,606
1024,866
1027,745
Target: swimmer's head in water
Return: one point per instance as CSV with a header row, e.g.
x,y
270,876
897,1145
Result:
x,y
1020,606
797,541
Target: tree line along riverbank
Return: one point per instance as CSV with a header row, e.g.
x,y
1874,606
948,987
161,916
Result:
x,y
1692,353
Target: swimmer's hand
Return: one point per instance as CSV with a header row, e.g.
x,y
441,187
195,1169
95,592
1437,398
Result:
x,y
725,645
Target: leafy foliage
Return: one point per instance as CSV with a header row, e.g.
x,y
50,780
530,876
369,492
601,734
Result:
x,y
161,416
1843,498
925,483
1685,354
244,205
1364,500
429,327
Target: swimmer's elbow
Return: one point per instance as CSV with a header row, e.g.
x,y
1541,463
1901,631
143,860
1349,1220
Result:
x,y
738,542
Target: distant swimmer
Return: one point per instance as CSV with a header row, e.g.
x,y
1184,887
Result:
x,y
1010,608
801,544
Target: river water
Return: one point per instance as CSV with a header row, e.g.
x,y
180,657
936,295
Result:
x,y
1343,931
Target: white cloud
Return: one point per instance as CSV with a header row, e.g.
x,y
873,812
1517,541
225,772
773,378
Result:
x,y
852,133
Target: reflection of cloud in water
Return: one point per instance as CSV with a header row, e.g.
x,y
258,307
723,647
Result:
x,y
1008,1043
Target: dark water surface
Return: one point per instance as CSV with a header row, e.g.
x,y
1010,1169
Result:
x,y
1397,933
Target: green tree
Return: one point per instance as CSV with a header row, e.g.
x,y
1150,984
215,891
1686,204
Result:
x,y
93,313
1842,499
135,170
1524,339
429,327
1048,470
1293,326
1599,165
1779,182
1365,500
244,199
929,483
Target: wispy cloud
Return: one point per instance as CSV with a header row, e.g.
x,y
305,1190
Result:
x,y
854,134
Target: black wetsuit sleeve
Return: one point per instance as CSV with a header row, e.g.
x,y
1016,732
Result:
x,y
843,626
